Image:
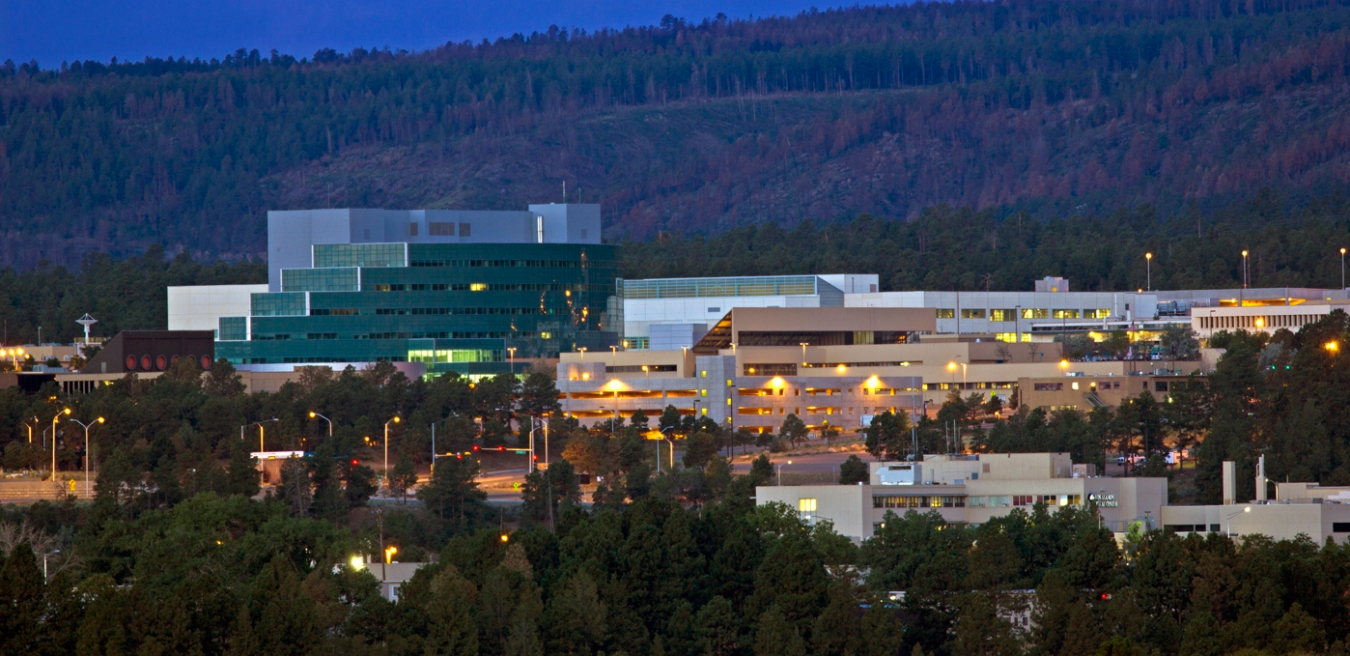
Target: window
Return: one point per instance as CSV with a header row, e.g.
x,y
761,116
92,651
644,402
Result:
x,y
441,229
1160,386
412,229
1066,314
478,287
805,506
465,229
1340,527
1048,387
1035,313
946,313
972,314
319,280
327,256
1003,315
1097,314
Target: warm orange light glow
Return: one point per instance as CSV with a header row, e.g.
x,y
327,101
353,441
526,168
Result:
x,y
1260,322
873,383
1332,346
614,385
841,368
1148,256
1063,364
776,383
951,366
1244,253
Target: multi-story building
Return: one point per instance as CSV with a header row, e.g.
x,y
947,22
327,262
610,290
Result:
x,y
464,291
668,313
755,367
1083,393
1292,315
972,489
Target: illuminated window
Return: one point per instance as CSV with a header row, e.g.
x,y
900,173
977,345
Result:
x,y
946,313
807,507
478,287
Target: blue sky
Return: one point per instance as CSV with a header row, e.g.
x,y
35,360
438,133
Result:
x,y
52,31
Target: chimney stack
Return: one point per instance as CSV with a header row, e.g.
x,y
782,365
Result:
x,y
1229,482
1261,479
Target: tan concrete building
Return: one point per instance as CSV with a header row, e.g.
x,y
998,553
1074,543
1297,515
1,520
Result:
x,y
1083,393
971,489
1291,315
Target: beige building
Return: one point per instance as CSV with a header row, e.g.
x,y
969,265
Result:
x,y
1290,315
1083,393
971,489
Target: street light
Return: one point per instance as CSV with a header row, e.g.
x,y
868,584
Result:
x,y
1148,259
315,415
1229,519
395,420
261,432
1342,268
512,351
86,450
66,412
1332,347
658,450
780,473
614,385
1244,269
803,345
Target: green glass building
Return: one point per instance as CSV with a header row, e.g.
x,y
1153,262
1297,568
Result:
x,y
457,291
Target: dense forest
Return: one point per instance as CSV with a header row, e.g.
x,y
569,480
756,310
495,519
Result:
x,y
1059,107
172,556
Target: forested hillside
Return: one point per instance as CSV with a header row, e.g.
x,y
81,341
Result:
x,y
1059,107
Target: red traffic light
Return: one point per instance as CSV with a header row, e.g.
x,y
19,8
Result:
x,y
355,462
501,448
475,447
459,456
536,458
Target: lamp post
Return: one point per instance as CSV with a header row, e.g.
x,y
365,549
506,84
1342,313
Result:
x,y
1243,299
512,351
1229,518
395,420
803,345
259,424
1342,268
66,412
658,451
53,552
86,450
1148,262
433,443
780,472
315,415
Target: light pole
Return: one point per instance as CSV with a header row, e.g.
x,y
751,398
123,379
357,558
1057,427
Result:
x,y
1148,260
658,450
614,386
803,345
1229,518
315,415
433,443
512,351
86,450
53,552
66,412
780,472
1244,278
395,420
1342,268
261,432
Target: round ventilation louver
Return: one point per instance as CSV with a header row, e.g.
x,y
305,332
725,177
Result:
x,y
174,359
206,362
161,362
131,363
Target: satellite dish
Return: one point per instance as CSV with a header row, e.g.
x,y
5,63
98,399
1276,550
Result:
x,y
86,321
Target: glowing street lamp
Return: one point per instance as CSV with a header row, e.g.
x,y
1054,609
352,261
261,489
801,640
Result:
x,y
1331,347
395,420
66,412
87,492
1148,259
315,415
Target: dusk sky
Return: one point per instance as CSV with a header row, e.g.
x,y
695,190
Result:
x,y
66,30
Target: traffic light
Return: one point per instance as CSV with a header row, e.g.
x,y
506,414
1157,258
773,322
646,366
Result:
x,y
355,462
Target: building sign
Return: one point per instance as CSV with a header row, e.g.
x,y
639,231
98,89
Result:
x,y
1104,500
